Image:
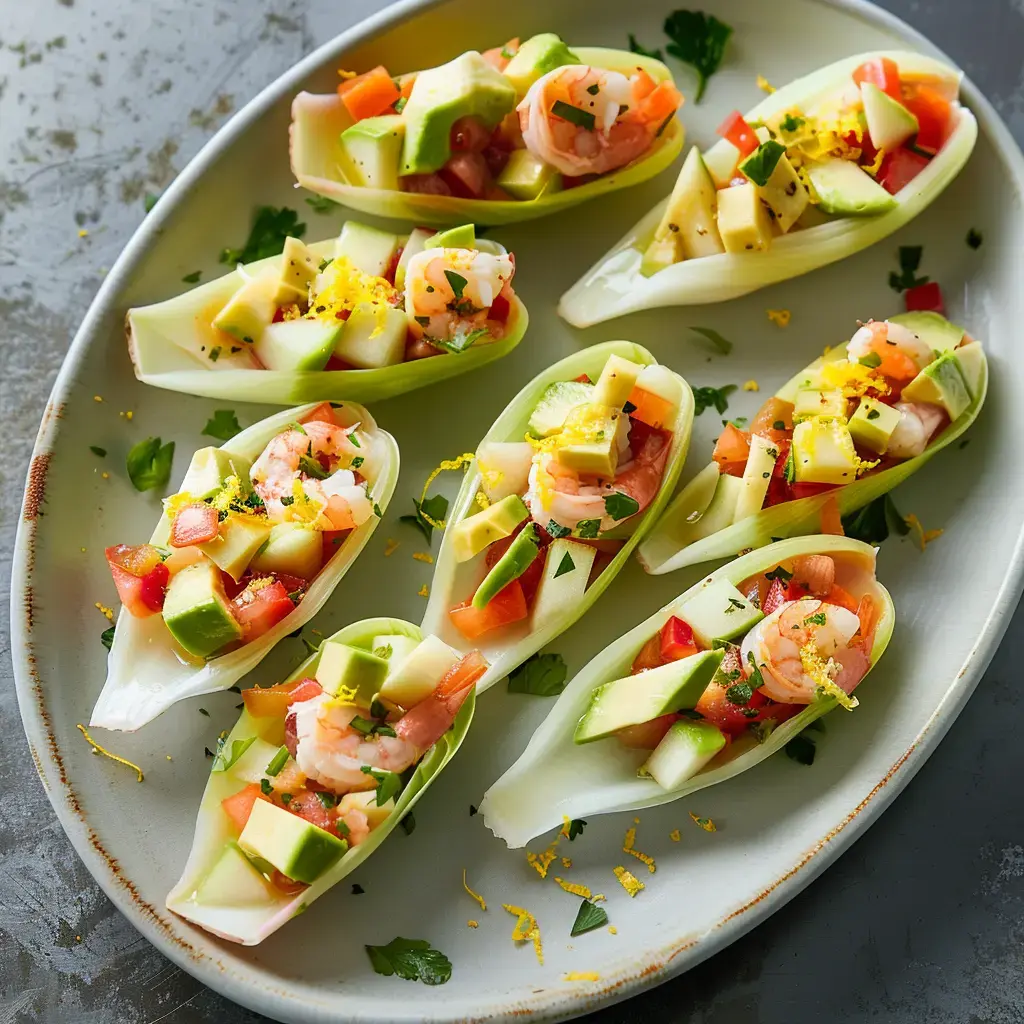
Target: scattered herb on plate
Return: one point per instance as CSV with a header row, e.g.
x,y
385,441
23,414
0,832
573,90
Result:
x,y
107,637
436,506
97,450
721,344
576,827
910,260
411,959
223,425
193,278
698,39
270,227
706,398
543,675
873,522
636,47
589,917
974,238
149,463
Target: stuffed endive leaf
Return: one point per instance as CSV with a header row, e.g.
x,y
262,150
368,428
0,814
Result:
x,y
234,883
829,198
712,517
345,318
711,731
570,477
364,161
227,574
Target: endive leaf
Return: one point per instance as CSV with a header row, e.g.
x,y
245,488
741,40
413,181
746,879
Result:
x,y
663,551
556,778
614,285
509,646
161,336
318,121
253,923
146,674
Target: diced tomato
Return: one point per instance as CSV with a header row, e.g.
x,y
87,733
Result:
x,y
774,419
797,589
323,413
842,598
867,148
499,56
583,378
809,490
883,72
140,577
677,640
305,689
194,524
334,363
469,134
239,806
285,884
136,559
509,605
258,611
369,95
650,408
925,297
717,709
426,184
392,267
307,806
659,104
731,450
467,175
736,130
406,82
647,735
153,587
933,112
831,518
332,541
496,157
500,308
899,168
649,655
775,598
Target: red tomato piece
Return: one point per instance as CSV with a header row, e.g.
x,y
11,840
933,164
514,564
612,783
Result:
x,y
649,655
129,592
883,72
307,805
153,587
136,559
500,308
509,605
469,134
731,450
239,806
736,130
925,297
933,112
466,175
677,640
717,709
583,378
194,524
370,94
322,413
258,611
899,168
304,689
775,598
392,268
650,409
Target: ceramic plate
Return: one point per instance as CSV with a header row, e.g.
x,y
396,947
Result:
x,y
778,826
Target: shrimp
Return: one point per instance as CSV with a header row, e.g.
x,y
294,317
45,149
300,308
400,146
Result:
x,y
622,122
918,421
449,293
775,645
901,351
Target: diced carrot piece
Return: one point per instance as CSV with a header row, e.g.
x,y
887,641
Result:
x,y
323,413
239,807
842,598
269,701
732,447
867,612
662,103
369,95
773,419
831,519
643,84
508,606
650,408
406,82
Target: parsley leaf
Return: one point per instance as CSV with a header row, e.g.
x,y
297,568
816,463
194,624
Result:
x,y
436,506
97,450
873,522
576,827
705,398
193,278
871,360
721,344
739,693
556,530
801,749
698,39
587,529
222,762
149,464
321,204
974,238
636,47
411,959
223,425
149,200
758,167
620,506
589,917
779,574
312,468
107,637
543,675
574,115
389,784
457,281
790,123
910,260
270,227
565,565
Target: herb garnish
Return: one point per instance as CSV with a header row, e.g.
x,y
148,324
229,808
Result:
x,y
565,565
790,123
910,260
974,238
192,278
556,530
574,115
588,528
327,800
542,675
457,281
576,827
636,47
698,39
107,637
389,784
721,344
760,165
705,398
739,693
411,959
779,574
149,200
436,506
871,360
97,450
589,917
266,788
357,889
277,762
270,227
873,522
222,762
620,506
818,619
149,464
312,468
223,425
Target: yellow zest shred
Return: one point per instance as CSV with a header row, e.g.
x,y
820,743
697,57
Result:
x,y
764,85
627,847
423,556
474,895
347,287
822,672
674,835
83,232
876,165
613,930
104,610
97,749
924,537
482,500
779,317
564,831
424,591
582,976
751,385
628,881
577,889
346,75
566,863
853,379
540,862
292,312
97,398
391,547
705,823
472,924
526,930
345,697
446,464
105,475
261,583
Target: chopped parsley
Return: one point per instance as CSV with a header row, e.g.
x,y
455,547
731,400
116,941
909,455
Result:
x,y
576,827
706,398
277,762
436,506
589,917
873,522
780,574
871,360
873,414
974,238
542,675
790,123
356,462
556,530
321,204
327,800
457,281
574,115
566,565
472,810
818,619
412,960
739,693
311,468
636,47
357,889
149,464
288,499
223,425
588,528
620,506
107,637
266,788
97,450
270,227
722,345
760,165
801,748
910,260
222,762
193,278
389,784
698,39
149,200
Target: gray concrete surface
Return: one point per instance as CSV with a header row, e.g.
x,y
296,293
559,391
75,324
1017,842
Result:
x,y
102,101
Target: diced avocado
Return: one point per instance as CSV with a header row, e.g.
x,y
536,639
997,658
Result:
x,y
394,647
301,344
366,803
299,265
659,254
462,237
889,122
358,673
591,446
292,548
196,610
548,416
743,220
292,845
873,423
516,560
239,538
718,612
972,365
527,177
373,337
367,248
823,452
941,382
465,87
647,695
810,402
842,187
504,467
932,328
710,514
757,475
250,310
567,567
475,532
617,380
234,881
684,750
535,58
416,243
373,149
415,676
784,193
691,215
252,765
210,467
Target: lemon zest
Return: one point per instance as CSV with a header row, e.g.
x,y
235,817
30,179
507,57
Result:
x,y
705,823
566,863
822,672
346,75
474,895
445,464
347,287
578,889
675,835
424,591
613,930
628,847
924,537
876,165
628,881
97,749
582,976
473,924
540,862
764,85
779,317
526,930
391,547
108,613
853,379
423,556
751,385
482,500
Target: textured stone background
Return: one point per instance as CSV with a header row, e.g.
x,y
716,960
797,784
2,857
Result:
x,y
102,101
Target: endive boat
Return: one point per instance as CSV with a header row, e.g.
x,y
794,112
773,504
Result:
x,y
318,771
363,317
707,687
514,133
254,542
572,474
817,171
843,432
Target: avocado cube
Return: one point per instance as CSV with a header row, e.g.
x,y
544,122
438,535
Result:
x,y
299,265
461,237
234,881
527,177
351,671
743,220
810,402
535,58
972,365
683,751
251,309
292,548
617,380
394,647
372,151
941,382
647,695
367,248
823,452
889,122
415,676
873,423
591,458
555,404
210,468
373,337
843,187
292,845
519,557
718,611
932,328
784,193
689,225
475,532
465,87
196,610
294,345
239,538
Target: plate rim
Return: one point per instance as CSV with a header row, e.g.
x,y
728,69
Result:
x,y
646,968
